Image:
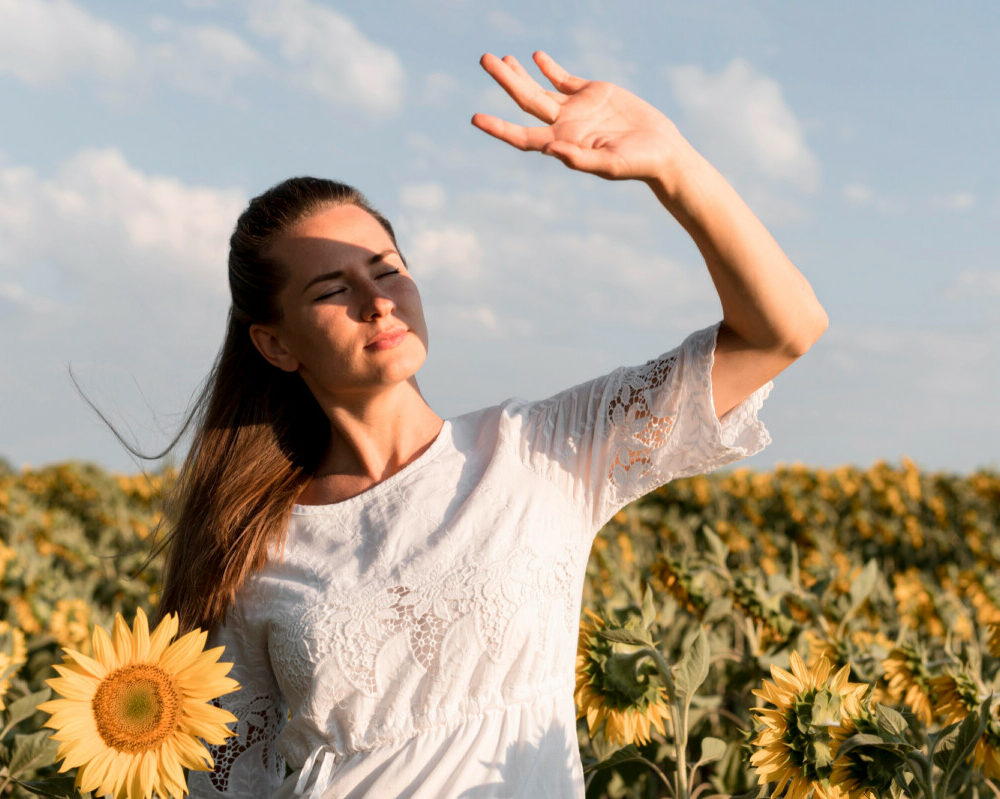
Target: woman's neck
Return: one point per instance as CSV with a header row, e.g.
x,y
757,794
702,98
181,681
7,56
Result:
x,y
374,439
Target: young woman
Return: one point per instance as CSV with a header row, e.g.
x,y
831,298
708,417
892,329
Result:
x,y
400,594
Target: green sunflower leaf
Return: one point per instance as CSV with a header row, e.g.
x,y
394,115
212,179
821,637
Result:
x,y
33,751
20,709
968,735
692,669
890,720
712,749
626,754
863,585
720,551
648,608
623,636
60,787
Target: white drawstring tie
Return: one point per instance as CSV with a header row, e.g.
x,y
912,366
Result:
x,y
324,757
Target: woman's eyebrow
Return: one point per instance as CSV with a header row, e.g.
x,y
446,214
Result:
x,y
340,272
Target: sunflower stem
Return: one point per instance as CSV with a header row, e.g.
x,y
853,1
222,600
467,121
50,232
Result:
x,y
922,775
659,773
678,716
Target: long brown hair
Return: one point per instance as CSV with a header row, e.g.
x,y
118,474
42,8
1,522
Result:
x,y
258,433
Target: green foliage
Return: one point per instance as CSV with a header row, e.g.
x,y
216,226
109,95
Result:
x,y
723,575
846,563
73,542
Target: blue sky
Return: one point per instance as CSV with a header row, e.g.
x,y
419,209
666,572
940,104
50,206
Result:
x,y
863,134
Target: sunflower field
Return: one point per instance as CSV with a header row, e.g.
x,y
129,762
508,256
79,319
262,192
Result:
x,y
799,632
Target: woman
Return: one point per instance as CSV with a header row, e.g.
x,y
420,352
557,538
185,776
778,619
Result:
x,y
400,594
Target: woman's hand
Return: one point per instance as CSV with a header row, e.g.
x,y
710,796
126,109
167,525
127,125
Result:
x,y
770,314
591,126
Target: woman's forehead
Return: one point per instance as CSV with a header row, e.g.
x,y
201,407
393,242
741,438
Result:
x,y
347,223
330,238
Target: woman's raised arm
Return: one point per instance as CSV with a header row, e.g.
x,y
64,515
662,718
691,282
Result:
x,y
770,315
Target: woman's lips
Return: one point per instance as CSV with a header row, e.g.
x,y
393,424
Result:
x,y
387,341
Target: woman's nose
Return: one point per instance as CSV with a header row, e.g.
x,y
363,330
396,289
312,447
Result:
x,y
377,304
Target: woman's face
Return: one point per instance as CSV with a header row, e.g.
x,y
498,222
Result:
x,y
347,284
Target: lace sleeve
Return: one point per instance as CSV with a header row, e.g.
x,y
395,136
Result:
x,y
611,440
247,764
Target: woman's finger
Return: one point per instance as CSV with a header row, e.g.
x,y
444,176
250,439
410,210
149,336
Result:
x,y
523,90
516,135
585,159
515,65
560,78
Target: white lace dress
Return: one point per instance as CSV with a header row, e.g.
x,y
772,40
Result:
x,y
419,639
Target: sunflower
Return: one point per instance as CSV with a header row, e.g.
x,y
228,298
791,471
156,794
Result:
x,y
955,696
908,680
13,654
678,582
131,716
68,624
618,698
826,645
864,772
994,640
798,739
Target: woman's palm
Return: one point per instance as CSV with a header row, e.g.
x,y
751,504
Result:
x,y
592,126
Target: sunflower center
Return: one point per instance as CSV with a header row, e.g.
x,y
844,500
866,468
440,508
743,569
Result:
x,y
136,707
810,720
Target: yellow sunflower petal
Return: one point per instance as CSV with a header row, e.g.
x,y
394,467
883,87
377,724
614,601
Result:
x,y
182,650
140,637
92,775
122,640
96,668
192,753
162,635
104,649
171,772
73,687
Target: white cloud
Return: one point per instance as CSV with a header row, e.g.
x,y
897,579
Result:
x,y
958,201
600,57
423,196
918,390
740,117
201,59
439,88
103,266
119,273
865,196
100,220
505,23
44,41
330,56
975,283
858,194
16,295
477,322
445,251
929,367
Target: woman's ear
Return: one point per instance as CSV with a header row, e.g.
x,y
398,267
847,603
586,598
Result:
x,y
265,339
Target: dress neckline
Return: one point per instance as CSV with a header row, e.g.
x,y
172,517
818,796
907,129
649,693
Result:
x,y
373,491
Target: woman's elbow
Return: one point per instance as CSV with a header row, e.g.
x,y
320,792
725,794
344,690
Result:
x,y
808,333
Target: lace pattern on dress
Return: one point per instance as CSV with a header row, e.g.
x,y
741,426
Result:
x,y
636,429
250,750
355,630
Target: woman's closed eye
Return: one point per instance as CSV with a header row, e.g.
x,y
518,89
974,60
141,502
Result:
x,y
328,294
341,290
